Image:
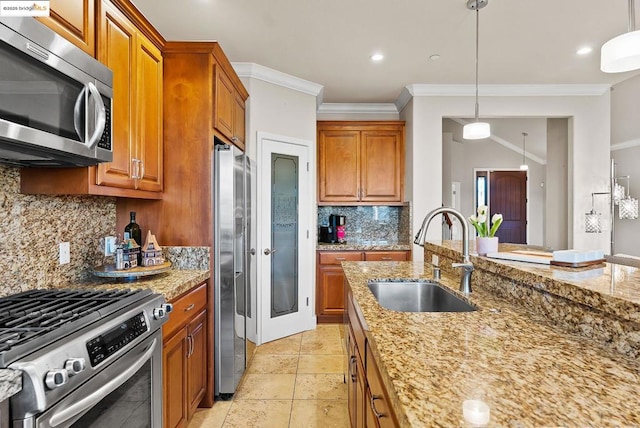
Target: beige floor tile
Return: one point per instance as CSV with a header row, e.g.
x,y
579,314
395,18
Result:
x,y
319,414
328,386
211,418
265,363
322,345
324,331
286,346
259,414
257,386
318,363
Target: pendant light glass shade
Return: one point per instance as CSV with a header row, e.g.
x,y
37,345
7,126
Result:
x,y
524,165
592,222
476,131
622,53
628,208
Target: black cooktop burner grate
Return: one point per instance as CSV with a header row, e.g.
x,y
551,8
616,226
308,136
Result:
x,y
33,319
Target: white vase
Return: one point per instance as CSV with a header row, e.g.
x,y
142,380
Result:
x,y
486,245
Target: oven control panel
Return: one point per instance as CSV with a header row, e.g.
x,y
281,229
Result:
x,y
107,344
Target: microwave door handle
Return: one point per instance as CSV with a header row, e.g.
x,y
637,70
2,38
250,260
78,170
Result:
x,y
77,114
102,116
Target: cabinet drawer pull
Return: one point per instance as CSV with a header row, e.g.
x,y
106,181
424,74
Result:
x,y
373,406
191,306
341,258
351,368
386,258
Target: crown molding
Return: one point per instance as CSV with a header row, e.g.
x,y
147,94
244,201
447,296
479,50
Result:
x,y
625,145
269,75
565,90
362,108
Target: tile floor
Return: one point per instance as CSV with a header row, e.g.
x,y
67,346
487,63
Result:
x,y
293,382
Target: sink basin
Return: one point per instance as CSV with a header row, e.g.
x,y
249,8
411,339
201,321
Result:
x,y
417,296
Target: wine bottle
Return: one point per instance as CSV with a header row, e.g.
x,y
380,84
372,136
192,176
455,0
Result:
x,y
134,233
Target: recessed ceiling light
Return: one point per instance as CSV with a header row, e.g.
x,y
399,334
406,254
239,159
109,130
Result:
x,y
584,51
434,57
377,57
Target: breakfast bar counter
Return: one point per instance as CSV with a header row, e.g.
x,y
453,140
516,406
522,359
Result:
x,y
528,368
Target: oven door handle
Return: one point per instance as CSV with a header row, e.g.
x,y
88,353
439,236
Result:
x,y
88,402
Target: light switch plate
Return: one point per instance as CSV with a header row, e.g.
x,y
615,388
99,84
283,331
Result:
x,y
65,253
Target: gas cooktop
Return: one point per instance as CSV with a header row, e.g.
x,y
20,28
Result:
x,y
34,319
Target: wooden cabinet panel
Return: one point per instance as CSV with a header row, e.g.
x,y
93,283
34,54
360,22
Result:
x,y
186,357
196,362
330,284
174,365
224,100
75,21
397,256
338,165
149,116
117,50
360,162
239,121
382,156
377,404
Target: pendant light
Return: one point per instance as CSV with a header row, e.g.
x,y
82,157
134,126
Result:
x,y
476,130
622,53
524,165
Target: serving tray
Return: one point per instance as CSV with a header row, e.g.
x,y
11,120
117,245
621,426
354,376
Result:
x,y
110,271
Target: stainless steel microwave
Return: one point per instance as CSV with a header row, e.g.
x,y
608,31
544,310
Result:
x,y
55,99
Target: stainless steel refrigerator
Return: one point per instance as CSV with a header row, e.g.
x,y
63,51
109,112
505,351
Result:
x,y
231,262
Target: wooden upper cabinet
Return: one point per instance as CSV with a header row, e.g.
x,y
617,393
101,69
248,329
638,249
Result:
x,y
229,106
338,165
75,21
137,98
360,162
127,44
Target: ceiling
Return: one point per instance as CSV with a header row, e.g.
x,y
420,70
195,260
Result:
x,y
329,42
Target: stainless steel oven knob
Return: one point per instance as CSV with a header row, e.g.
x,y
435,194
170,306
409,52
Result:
x,y
162,311
56,378
73,366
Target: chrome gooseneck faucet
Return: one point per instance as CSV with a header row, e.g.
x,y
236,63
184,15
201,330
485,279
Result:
x,y
466,265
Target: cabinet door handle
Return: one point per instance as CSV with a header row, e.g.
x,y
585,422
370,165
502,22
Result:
x,y
351,365
190,346
191,306
386,258
141,171
134,168
373,406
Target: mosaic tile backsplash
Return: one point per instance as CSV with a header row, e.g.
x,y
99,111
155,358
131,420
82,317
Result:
x,y
32,226
372,225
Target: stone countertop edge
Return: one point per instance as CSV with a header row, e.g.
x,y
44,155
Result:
x,y
170,284
529,372
10,383
609,287
362,247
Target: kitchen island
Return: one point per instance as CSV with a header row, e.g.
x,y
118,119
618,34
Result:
x,y
529,369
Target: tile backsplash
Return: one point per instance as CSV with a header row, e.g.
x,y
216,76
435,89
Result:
x,y
372,225
32,226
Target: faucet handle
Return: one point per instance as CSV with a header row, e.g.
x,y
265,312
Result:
x,y
468,267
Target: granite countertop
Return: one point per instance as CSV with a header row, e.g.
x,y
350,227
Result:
x,y
10,383
528,371
170,284
364,246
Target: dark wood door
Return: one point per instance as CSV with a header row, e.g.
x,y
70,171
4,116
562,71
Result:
x,y
508,196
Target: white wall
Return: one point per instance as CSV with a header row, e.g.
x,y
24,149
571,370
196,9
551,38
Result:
x,y
589,143
625,144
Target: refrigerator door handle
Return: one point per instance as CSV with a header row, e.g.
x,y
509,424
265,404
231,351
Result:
x,y
268,251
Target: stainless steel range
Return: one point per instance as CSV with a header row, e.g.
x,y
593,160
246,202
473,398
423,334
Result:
x,y
89,358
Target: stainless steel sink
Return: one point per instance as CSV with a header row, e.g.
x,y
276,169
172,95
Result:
x,y
417,296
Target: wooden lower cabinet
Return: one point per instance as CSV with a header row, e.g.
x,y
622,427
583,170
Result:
x,y
330,279
185,357
367,399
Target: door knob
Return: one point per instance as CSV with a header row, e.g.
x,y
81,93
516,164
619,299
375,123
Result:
x,y
268,251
